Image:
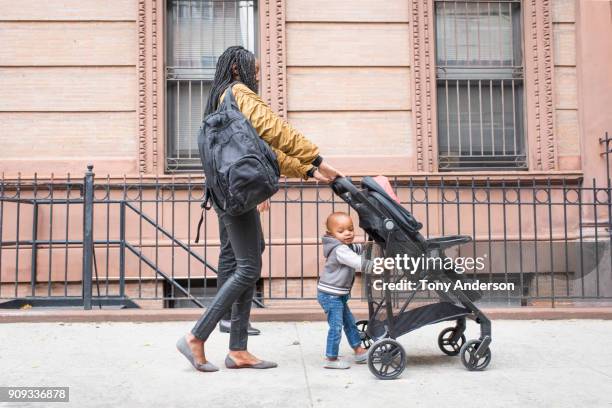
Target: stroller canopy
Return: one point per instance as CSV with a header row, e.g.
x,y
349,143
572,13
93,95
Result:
x,y
401,215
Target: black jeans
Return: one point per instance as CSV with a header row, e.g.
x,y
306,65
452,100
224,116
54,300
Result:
x,y
227,261
246,239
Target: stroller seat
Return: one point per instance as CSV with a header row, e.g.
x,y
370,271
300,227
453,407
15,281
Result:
x,y
406,220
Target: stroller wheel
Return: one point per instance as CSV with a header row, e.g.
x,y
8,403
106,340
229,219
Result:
x,y
366,341
469,359
448,346
386,359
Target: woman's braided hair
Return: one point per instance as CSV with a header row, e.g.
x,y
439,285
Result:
x,y
245,63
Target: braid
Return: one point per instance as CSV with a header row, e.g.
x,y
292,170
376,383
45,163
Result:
x,y
245,63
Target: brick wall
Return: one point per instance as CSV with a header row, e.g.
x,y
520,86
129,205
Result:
x,y
348,78
69,85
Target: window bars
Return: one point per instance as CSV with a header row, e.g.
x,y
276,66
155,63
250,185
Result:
x,y
197,33
479,85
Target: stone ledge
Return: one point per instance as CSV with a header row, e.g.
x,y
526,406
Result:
x,y
276,313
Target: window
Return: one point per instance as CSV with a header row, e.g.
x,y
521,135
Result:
x,y
479,78
197,32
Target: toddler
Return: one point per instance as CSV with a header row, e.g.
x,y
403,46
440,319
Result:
x,y
333,290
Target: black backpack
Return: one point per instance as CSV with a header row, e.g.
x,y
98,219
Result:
x,y
240,167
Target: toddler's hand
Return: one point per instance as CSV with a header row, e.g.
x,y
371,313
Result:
x,y
263,206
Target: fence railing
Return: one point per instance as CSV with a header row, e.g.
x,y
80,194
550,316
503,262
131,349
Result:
x,y
96,242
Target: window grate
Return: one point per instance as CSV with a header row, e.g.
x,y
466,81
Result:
x,y
479,85
197,32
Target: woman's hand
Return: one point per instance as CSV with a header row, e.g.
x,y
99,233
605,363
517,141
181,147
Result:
x,y
263,206
320,177
328,171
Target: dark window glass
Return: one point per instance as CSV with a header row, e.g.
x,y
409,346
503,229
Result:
x,y
479,85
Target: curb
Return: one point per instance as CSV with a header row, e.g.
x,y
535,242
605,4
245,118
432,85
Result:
x,y
276,314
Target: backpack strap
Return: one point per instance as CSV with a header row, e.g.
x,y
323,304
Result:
x,y
207,198
229,99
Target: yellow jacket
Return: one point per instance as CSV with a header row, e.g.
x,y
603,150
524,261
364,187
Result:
x,y
294,152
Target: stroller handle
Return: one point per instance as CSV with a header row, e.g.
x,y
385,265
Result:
x,y
345,189
343,185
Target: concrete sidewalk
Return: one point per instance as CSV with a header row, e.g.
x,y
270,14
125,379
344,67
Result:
x,y
535,363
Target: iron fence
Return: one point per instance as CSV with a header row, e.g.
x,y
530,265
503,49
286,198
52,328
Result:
x,y
96,242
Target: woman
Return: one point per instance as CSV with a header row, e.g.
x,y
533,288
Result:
x,y
297,157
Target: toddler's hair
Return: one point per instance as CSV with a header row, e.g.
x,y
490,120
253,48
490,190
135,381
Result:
x,y
334,217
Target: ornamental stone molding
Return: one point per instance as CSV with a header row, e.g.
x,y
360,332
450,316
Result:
x,y
538,84
151,77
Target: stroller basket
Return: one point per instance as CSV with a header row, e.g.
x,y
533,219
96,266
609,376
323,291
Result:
x,y
394,231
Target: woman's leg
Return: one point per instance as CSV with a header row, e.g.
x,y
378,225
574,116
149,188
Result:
x,y
227,261
244,233
241,309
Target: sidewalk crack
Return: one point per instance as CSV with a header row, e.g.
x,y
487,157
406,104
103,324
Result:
x,y
297,333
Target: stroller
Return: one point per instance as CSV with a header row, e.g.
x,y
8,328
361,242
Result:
x,y
394,231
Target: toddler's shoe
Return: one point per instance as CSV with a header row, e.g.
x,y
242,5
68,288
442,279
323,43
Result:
x,y
361,358
337,364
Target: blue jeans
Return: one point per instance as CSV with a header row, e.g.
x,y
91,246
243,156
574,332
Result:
x,y
338,315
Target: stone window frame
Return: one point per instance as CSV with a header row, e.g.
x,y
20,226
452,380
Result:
x,y
538,86
151,79
542,154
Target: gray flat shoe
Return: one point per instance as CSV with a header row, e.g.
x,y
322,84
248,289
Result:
x,y
253,331
226,325
229,363
184,349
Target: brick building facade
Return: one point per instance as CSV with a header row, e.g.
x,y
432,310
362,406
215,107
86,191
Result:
x,y
461,89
